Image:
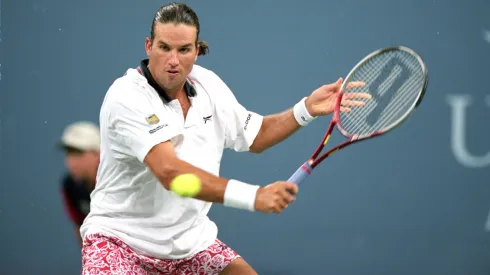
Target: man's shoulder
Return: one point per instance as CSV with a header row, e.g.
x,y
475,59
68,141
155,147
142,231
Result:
x,y
203,75
126,89
131,81
198,70
214,86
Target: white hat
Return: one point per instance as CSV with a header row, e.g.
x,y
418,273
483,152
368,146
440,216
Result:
x,y
82,135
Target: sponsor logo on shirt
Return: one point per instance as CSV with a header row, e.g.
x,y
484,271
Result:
x,y
207,118
153,119
158,128
247,121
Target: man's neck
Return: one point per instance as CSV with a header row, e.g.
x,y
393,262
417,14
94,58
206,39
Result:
x,y
146,70
178,93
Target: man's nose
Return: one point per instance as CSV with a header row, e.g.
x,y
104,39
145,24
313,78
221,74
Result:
x,y
173,60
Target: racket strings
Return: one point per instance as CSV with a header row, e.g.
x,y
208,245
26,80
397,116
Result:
x,y
394,110
394,80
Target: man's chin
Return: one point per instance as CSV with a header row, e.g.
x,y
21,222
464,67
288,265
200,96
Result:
x,y
172,83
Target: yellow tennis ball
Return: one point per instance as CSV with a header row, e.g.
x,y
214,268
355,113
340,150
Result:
x,y
186,185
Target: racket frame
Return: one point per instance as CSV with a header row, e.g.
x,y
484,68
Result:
x,y
306,168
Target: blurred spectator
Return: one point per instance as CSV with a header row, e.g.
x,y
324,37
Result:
x,y
81,143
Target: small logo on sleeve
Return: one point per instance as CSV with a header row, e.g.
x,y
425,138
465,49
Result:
x,y
247,121
153,119
207,118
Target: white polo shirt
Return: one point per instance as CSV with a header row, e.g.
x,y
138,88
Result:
x,y
128,201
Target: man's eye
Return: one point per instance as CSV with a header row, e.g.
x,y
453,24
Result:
x,y
184,50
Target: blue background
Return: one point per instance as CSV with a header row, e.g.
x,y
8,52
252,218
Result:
x,y
400,204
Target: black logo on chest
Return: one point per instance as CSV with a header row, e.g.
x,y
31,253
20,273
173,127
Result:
x,y
206,118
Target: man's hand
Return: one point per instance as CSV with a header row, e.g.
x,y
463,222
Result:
x,y
275,197
322,101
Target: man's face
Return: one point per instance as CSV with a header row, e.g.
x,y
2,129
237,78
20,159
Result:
x,y
81,165
172,54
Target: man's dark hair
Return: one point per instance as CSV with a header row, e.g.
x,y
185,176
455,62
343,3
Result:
x,y
179,13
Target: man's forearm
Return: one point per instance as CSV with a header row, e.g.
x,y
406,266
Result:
x,y
166,166
278,127
212,187
275,128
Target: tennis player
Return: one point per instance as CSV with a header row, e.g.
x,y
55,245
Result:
x,y
167,117
80,142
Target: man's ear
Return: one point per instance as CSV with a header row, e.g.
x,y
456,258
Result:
x,y
148,46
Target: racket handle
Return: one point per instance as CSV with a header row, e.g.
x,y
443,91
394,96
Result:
x,y
300,174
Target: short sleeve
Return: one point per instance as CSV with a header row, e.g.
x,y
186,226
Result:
x,y
243,127
241,124
136,126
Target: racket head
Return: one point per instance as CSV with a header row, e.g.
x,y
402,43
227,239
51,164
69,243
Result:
x,y
396,78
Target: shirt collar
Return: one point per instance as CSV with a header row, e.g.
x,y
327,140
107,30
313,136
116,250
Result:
x,y
143,69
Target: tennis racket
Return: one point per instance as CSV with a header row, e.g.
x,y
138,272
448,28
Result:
x,y
396,78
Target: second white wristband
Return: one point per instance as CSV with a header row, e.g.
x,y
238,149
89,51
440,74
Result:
x,y
301,113
240,195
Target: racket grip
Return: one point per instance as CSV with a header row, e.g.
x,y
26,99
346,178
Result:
x,y
300,174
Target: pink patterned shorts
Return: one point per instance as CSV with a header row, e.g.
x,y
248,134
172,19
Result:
x,y
103,255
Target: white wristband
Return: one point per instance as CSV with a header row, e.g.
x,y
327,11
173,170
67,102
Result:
x,y
240,195
301,113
